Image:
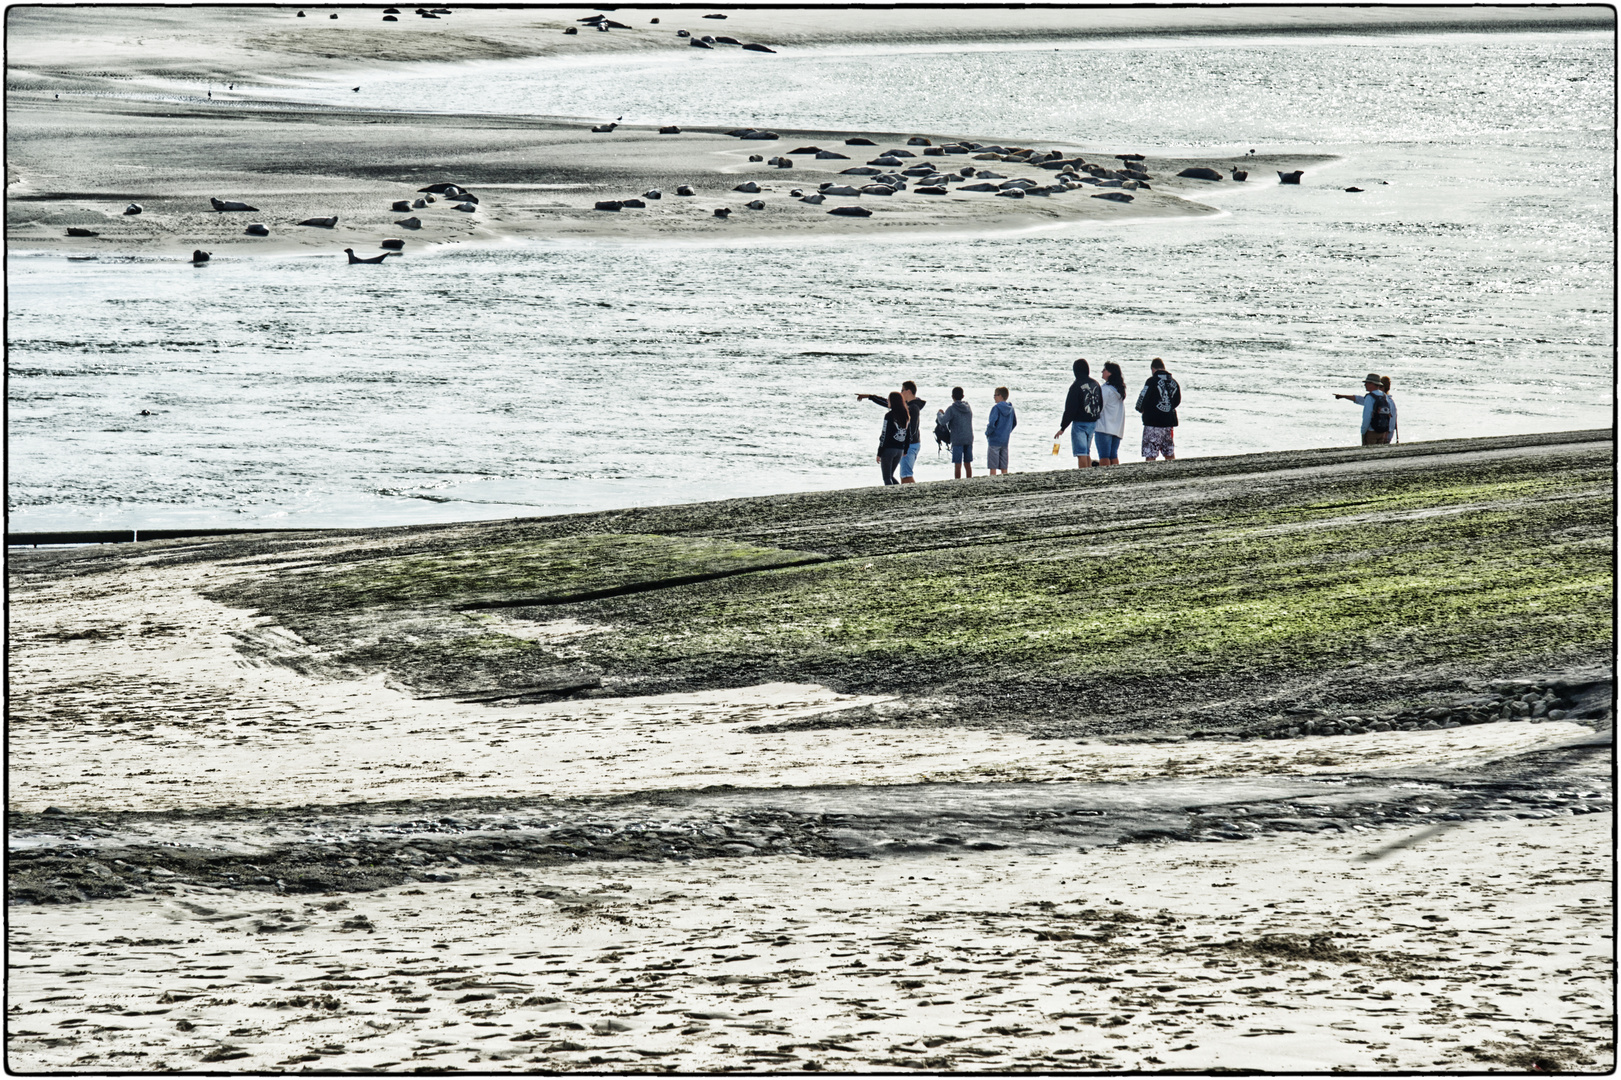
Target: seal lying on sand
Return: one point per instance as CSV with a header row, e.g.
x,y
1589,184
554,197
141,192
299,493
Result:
x,y
321,222
224,205
353,258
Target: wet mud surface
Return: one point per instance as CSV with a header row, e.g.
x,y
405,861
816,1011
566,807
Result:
x,y
59,857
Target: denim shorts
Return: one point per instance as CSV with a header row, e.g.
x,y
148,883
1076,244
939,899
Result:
x,y
1108,445
962,452
909,459
996,457
1080,438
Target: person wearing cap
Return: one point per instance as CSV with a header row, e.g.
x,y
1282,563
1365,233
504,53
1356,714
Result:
x,y
1377,413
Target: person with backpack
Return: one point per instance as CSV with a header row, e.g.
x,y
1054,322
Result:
x,y
1157,401
958,419
1082,407
1378,414
914,406
892,442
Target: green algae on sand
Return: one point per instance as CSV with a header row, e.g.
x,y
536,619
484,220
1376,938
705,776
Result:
x,y
1206,593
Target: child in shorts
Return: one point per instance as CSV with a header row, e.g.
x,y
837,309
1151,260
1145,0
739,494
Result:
x,y
999,432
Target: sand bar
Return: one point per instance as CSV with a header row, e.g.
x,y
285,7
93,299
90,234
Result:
x,y
199,88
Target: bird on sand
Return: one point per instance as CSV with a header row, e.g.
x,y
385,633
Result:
x,y
353,258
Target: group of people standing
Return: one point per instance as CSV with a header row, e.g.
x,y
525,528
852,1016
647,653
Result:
x,y
1093,412
1094,415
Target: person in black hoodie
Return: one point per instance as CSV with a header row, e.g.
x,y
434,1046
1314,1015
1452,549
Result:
x,y
1157,401
914,405
1082,407
892,443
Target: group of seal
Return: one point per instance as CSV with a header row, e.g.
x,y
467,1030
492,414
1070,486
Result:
x,y
891,173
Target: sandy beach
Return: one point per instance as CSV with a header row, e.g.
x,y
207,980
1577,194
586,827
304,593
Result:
x,y
259,822
1289,762
168,108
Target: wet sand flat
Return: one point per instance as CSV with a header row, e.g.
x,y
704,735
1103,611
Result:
x,y
493,796
1291,955
167,108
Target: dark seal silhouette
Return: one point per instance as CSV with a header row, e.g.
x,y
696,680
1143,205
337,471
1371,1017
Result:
x,y
353,258
1291,177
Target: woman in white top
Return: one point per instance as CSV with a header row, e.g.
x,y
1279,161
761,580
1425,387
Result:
x,y
1384,384
1112,424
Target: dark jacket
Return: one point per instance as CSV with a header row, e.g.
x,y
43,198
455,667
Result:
x,y
914,430
1158,399
1084,404
894,437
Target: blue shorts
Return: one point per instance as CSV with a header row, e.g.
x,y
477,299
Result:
x,y
962,452
1108,445
1080,438
909,459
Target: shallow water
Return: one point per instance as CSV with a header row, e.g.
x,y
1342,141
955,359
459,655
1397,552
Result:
x,y
1476,269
